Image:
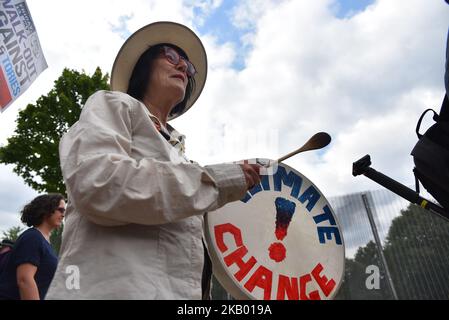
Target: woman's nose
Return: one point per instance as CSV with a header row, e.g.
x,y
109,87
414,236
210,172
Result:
x,y
182,66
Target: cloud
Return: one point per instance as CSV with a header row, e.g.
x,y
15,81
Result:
x,y
13,196
364,78
79,35
85,34
246,14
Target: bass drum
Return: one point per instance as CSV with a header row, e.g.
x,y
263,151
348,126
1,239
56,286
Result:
x,y
281,242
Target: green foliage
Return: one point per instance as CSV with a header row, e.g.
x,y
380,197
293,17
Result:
x,y
417,253
33,149
55,238
354,283
217,290
12,233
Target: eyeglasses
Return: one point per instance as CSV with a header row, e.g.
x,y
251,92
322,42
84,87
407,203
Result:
x,y
62,210
173,57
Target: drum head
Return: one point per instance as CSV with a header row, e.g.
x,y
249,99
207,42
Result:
x,y
282,241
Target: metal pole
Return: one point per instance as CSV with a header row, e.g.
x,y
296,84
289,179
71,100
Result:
x,y
383,261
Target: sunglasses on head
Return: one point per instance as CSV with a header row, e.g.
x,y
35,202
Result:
x,y
174,57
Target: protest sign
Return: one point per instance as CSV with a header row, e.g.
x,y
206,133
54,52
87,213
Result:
x,y
21,56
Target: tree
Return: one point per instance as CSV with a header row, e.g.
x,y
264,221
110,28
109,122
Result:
x,y
33,150
12,233
354,284
56,237
217,290
417,252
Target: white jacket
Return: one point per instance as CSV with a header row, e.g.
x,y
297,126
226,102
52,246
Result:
x,y
134,219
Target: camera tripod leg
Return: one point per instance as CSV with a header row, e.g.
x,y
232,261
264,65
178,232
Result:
x,y
362,166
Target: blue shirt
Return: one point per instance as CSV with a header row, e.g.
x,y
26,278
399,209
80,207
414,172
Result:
x,y
30,247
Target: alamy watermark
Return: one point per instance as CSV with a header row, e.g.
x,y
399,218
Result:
x,y
73,277
373,280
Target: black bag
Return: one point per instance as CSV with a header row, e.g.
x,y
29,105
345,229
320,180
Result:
x,y
431,156
4,257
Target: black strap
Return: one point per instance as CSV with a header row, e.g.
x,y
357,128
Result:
x,y
416,180
166,136
418,125
206,277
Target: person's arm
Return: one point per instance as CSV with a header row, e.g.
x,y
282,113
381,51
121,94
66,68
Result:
x,y
25,281
112,188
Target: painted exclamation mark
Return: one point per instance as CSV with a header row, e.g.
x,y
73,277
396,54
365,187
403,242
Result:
x,y
285,210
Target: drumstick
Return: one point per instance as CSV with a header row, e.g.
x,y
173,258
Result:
x,y
317,141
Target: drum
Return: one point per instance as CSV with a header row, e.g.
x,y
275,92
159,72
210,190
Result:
x,y
281,241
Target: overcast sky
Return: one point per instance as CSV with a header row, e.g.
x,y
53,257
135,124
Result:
x,y
279,71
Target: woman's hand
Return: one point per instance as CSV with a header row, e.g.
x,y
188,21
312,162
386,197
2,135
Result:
x,y
252,173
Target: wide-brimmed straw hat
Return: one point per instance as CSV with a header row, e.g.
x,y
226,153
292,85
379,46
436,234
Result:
x,y
153,34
